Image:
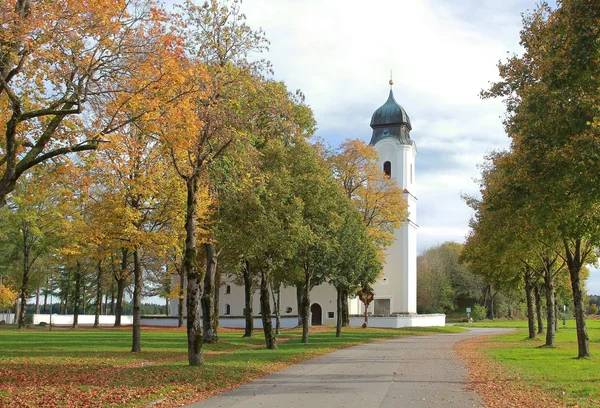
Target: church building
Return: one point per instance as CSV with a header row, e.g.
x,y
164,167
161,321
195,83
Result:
x,y
395,299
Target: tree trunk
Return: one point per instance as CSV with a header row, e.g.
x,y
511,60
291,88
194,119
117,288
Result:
x,y
538,308
549,289
208,308
77,295
193,275
345,314
339,308
46,298
37,300
67,290
492,298
24,296
299,303
530,300
25,281
112,301
138,282
180,312
98,295
17,310
167,313
248,293
277,305
306,306
555,313
265,306
121,281
574,263
217,298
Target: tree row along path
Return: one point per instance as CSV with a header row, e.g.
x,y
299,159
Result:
x,y
420,371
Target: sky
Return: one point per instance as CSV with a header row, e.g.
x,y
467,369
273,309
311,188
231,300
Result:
x,y
441,54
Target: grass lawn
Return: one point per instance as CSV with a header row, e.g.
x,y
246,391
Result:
x,y
554,370
88,367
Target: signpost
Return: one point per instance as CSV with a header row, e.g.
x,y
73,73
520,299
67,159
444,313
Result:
x,y
366,296
468,314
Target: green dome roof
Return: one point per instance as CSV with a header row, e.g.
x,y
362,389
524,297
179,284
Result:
x,y
391,121
391,113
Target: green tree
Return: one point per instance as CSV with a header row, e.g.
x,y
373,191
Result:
x,y
552,99
30,224
356,259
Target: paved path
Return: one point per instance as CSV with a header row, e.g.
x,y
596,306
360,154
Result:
x,y
419,371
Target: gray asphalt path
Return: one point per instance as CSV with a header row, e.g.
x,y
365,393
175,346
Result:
x,y
420,371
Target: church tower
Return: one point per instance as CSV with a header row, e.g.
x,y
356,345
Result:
x,y
391,139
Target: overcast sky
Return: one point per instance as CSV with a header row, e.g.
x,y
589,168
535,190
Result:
x,y
442,54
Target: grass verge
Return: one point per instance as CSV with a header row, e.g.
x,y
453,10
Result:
x,y
89,368
552,372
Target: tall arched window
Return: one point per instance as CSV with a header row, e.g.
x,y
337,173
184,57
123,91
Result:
x,y
227,289
387,168
227,309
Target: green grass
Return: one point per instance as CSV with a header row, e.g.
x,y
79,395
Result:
x,y
574,381
73,367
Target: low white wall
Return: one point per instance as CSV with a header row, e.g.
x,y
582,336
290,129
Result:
x,y
82,320
397,321
8,317
228,322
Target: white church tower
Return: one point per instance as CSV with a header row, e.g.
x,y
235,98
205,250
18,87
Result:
x,y
391,139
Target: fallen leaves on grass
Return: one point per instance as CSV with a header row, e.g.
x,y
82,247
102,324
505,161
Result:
x,y
499,388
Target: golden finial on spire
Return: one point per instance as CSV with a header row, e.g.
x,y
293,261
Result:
x,y
391,80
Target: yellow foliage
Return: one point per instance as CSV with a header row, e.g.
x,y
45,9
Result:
x,y
7,297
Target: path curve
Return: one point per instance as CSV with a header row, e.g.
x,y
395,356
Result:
x,y
416,371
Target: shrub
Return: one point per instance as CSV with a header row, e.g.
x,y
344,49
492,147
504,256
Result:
x,y
593,309
478,312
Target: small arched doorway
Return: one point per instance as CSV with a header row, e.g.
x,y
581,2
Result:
x,y
316,313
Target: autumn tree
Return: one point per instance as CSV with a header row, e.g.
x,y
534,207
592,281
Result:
x,y
59,59
8,296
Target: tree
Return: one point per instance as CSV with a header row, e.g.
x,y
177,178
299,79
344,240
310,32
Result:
x,y
207,123
314,185
377,197
31,223
61,58
552,104
357,263
8,297
260,216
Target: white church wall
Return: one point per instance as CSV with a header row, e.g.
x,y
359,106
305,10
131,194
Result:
x,y
324,295
396,322
82,320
